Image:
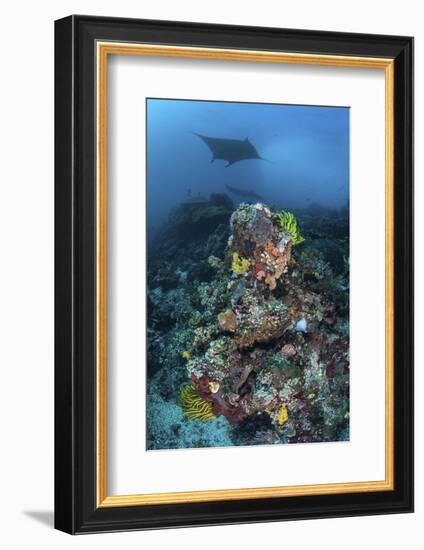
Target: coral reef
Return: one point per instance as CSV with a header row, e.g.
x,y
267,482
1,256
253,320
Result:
x,y
168,427
248,332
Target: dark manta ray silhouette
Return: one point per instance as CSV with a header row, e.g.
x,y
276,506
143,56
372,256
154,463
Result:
x,y
231,150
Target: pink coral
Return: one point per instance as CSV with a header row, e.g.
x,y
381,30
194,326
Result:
x,y
288,350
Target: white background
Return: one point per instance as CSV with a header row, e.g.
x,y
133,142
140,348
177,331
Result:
x,y
131,80
26,286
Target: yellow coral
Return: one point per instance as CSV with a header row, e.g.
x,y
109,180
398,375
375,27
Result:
x,y
194,406
283,415
239,265
186,354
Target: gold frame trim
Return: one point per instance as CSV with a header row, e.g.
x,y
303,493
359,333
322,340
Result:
x,y
104,49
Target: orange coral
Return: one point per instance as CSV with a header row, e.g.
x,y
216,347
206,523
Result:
x,y
276,260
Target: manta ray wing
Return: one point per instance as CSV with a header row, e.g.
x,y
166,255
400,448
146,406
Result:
x,y
231,150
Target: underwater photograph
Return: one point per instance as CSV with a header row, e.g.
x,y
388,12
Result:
x,y
247,274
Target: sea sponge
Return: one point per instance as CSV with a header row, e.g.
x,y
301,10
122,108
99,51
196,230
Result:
x,y
301,326
213,386
227,320
194,406
289,223
283,415
239,265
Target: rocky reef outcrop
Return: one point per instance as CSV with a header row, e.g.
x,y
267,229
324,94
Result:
x,y
257,338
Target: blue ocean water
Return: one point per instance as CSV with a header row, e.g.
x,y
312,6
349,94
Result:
x,y
247,304
307,148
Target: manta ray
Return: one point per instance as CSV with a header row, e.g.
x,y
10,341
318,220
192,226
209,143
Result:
x,y
231,150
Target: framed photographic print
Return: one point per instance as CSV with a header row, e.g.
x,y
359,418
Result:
x,y
233,274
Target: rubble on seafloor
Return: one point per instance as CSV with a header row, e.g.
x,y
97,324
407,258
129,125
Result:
x,y
248,333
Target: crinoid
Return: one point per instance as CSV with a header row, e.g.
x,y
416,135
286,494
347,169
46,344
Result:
x,y
289,224
194,406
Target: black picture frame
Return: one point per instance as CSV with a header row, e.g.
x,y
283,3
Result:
x,y
76,509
